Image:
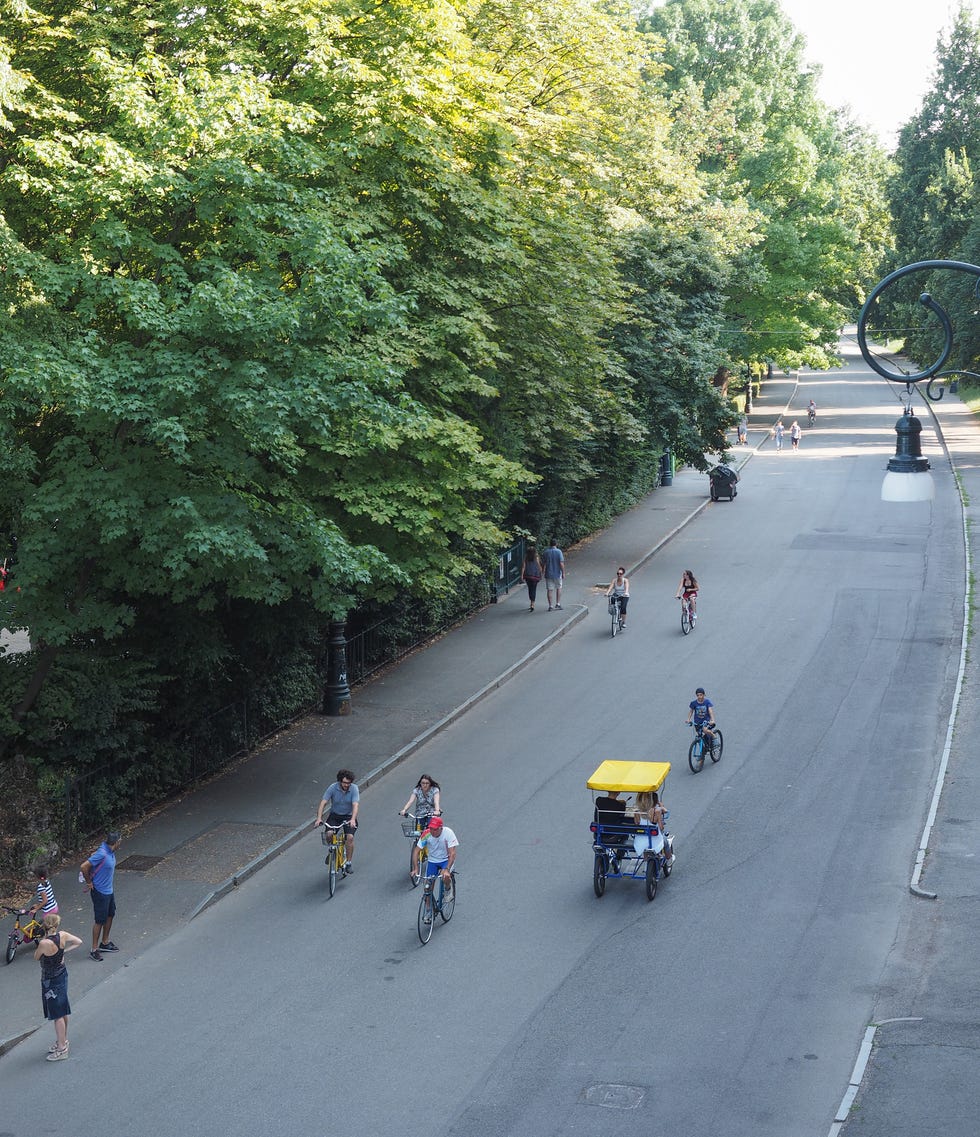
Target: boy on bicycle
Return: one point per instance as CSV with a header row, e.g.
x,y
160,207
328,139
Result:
x,y
442,844
702,713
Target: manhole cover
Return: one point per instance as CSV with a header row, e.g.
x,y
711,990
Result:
x,y
138,863
613,1096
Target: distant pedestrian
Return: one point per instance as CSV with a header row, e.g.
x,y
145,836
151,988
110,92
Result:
x,y
44,901
553,560
777,432
794,433
99,873
50,952
743,430
531,573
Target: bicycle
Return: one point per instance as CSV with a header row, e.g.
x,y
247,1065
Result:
x,y
688,615
696,753
413,829
28,933
335,840
432,903
616,612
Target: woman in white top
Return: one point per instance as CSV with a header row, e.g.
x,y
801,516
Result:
x,y
619,590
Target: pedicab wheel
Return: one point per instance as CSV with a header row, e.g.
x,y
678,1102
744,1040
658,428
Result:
x,y
11,948
651,878
448,905
685,620
695,756
718,747
599,875
426,915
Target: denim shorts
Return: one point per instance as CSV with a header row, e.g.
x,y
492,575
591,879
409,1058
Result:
x,y
104,904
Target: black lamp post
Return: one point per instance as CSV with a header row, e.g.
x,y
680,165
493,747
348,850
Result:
x,y
336,693
908,477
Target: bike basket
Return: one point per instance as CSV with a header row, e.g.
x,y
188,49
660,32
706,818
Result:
x,y
408,829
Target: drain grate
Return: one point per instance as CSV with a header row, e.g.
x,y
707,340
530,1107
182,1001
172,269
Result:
x,y
612,1096
138,863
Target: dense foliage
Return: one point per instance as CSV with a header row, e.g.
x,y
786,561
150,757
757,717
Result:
x,y
307,305
935,199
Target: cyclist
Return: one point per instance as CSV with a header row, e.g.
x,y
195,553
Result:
x,y
426,800
344,800
811,411
442,844
619,590
702,713
687,590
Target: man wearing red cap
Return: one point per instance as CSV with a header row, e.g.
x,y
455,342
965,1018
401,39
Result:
x,y
442,844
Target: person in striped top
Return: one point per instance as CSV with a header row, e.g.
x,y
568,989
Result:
x,y
44,900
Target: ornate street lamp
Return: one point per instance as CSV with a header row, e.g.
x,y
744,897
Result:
x,y
908,477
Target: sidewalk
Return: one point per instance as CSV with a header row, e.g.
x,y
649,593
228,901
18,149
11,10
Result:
x,y
195,850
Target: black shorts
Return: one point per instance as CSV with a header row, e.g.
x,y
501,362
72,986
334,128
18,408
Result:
x,y
336,819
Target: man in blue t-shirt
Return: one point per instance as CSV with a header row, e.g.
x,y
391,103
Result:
x,y
702,713
343,800
98,872
553,562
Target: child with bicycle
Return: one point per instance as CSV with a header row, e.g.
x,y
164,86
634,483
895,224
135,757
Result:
x,y
44,901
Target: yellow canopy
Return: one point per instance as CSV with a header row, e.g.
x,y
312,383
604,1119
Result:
x,y
629,777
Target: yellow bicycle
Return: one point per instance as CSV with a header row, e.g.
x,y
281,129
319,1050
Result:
x,y
27,933
335,840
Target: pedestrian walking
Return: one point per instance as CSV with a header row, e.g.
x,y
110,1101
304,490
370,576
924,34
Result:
x,y
99,872
794,434
531,573
50,952
553,560
743,431
777,432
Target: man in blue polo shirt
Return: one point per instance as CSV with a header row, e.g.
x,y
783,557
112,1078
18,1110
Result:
x,y
98,873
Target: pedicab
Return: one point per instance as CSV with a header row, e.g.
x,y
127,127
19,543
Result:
x,y
622,848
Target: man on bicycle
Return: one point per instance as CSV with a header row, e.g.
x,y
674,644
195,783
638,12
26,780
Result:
x,y
441,843
344,800
702,713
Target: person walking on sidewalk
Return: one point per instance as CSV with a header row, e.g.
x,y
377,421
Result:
x,y
553,560
344,800
531,574
794,433
50,952
99,872
777,432
743,430
619,593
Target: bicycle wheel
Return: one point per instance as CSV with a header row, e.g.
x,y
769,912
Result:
x,y
448,905
11,948
685,619
599,875
695,756
651,878
718,747
417,875
333,862
615,620
426,914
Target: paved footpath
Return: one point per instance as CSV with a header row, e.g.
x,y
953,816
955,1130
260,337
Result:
x,y
190,853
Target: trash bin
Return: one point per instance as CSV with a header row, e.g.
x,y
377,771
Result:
x,y
666,468
722,480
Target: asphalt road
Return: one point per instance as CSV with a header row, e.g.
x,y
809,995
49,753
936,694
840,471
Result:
x,y
734,1002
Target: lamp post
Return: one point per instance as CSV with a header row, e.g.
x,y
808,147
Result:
x,y
908,477
336,694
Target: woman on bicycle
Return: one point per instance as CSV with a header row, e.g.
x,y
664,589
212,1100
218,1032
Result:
x,y
687,591
619,591
423,801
